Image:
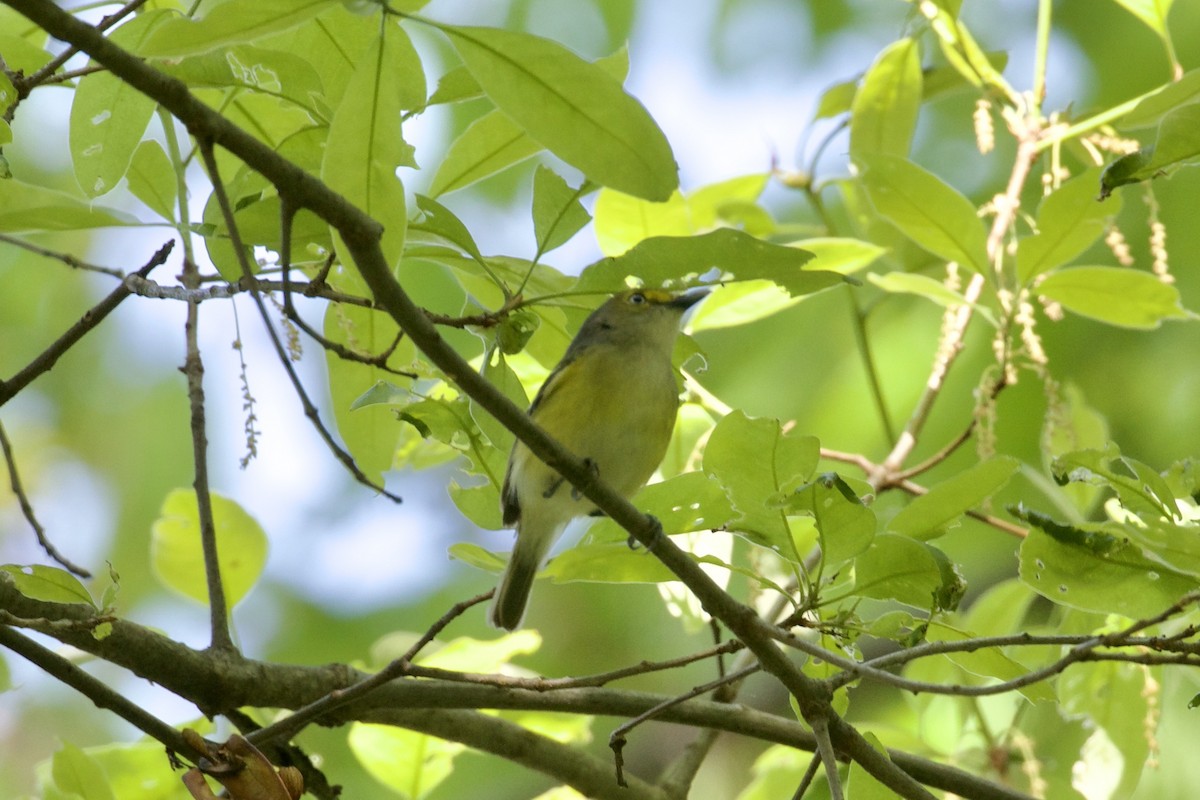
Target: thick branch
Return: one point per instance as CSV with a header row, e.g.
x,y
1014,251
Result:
x,y
218,682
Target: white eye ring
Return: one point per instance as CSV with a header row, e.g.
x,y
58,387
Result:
x,y
637,298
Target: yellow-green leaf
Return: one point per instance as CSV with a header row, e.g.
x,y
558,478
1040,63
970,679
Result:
x,y
230,23
884,114
929,515
1115,295
152,179
177,557
51,584
108,116
410,763
926,209
574,108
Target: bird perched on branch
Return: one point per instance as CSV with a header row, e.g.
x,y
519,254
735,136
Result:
x,y
612,401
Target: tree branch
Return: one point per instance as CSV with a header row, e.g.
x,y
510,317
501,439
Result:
x,y
90,319
96,691
14,480
219,682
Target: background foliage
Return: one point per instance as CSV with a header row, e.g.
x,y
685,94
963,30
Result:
x,y
501,167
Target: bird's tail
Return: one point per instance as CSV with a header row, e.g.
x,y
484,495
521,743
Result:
x,y
508,606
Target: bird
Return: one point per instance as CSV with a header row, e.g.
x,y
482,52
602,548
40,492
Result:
x,y
612,401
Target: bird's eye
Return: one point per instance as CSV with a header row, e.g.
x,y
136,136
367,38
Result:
x,y
637,298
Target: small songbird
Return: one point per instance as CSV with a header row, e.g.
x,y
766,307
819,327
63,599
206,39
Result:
x,y
612,401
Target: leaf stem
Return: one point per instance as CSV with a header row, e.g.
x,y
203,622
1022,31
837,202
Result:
x,y
1045,12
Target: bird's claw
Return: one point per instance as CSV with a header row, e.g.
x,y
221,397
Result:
x,y
656,530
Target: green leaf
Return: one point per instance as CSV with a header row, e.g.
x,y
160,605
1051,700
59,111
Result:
x,y
1138,487
777,771
990,662
1068,222
27,208
489,144
21,55
456,85
1086,567
861,784
622,220
836,100
1162,101
272,72
152,179
383,393
361,159
369,433
574,108
749,301
480,504
175,549
759,466
884,113
941,80
680,261
492,142
108,116
1174,546
80,775
230,23
684,503
845,525
606,562
557,213
476,556
1114,295
1176,145
911,572
474,655
930,515
1115,697
441,221
1153,13
926,210
501,375
134,769
409,763
51,584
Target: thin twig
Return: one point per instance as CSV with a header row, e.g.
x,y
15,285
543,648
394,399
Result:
x,y
66,55
294,723
617,739
72,74
828,756
66,258
917,490
193,369
14,480
806,780
46,360
879,472
558,684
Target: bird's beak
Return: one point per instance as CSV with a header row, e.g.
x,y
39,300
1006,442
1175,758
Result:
x,y
688,299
